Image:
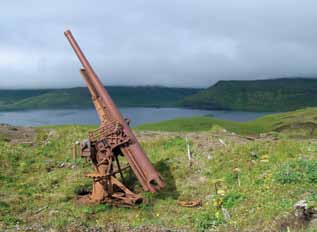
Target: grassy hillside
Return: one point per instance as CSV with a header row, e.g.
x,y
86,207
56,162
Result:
x,y
80,97
245,185
302,121
259,95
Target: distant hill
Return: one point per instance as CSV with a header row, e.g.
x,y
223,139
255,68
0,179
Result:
x,y
258,95
147,96
301,123
275,95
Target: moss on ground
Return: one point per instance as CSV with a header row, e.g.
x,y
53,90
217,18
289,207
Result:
x,y
244,184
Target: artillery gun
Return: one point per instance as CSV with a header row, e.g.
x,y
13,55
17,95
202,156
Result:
x,y
112,139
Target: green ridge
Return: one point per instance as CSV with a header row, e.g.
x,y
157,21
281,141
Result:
x,y
273,95
304,120
147,96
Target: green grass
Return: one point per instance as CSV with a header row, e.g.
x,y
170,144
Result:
x,y
37,190
300,121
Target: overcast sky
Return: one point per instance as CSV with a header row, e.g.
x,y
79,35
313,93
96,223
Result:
x,y
164,42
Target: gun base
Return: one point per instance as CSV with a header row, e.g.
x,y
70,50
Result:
x,y
120,196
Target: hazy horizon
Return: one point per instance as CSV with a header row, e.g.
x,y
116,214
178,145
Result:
x,y
163,86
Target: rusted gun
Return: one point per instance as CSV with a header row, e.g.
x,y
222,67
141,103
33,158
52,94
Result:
x,y
112,139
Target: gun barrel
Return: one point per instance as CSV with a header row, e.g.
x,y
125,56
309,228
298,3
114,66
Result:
x,y
139,162
82,58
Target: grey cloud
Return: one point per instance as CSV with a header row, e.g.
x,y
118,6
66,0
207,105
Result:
x,y
171,43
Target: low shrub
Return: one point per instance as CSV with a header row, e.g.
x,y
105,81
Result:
x,y
300,171
232,198
208,220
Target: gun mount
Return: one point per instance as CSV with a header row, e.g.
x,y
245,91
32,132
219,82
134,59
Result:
x,y
112,139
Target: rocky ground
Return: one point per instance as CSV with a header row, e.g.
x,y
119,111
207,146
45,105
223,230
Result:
x,y
15,134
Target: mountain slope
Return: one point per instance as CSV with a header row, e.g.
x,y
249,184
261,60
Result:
x,y
298,123
80,97
259,95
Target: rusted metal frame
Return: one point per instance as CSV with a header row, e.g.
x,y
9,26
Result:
x,y
131,198
119,168
112,173
113,133
143,169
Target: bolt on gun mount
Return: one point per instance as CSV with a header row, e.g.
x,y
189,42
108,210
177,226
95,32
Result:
x,y
113,138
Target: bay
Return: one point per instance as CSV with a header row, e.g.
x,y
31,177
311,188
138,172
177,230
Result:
x,y
137,115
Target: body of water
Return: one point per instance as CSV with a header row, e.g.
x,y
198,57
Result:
x,y
137,115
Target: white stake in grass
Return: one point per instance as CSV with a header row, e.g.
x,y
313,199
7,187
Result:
x,y
221,141
189,156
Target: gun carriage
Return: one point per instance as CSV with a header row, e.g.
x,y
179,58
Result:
x,y
112,139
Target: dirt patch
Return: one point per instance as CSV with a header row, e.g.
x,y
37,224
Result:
x,y
110,227
15,134
204,142
206,137
203,145
293,223
148,136
208,142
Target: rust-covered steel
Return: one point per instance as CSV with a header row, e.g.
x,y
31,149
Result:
x,y
112,139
